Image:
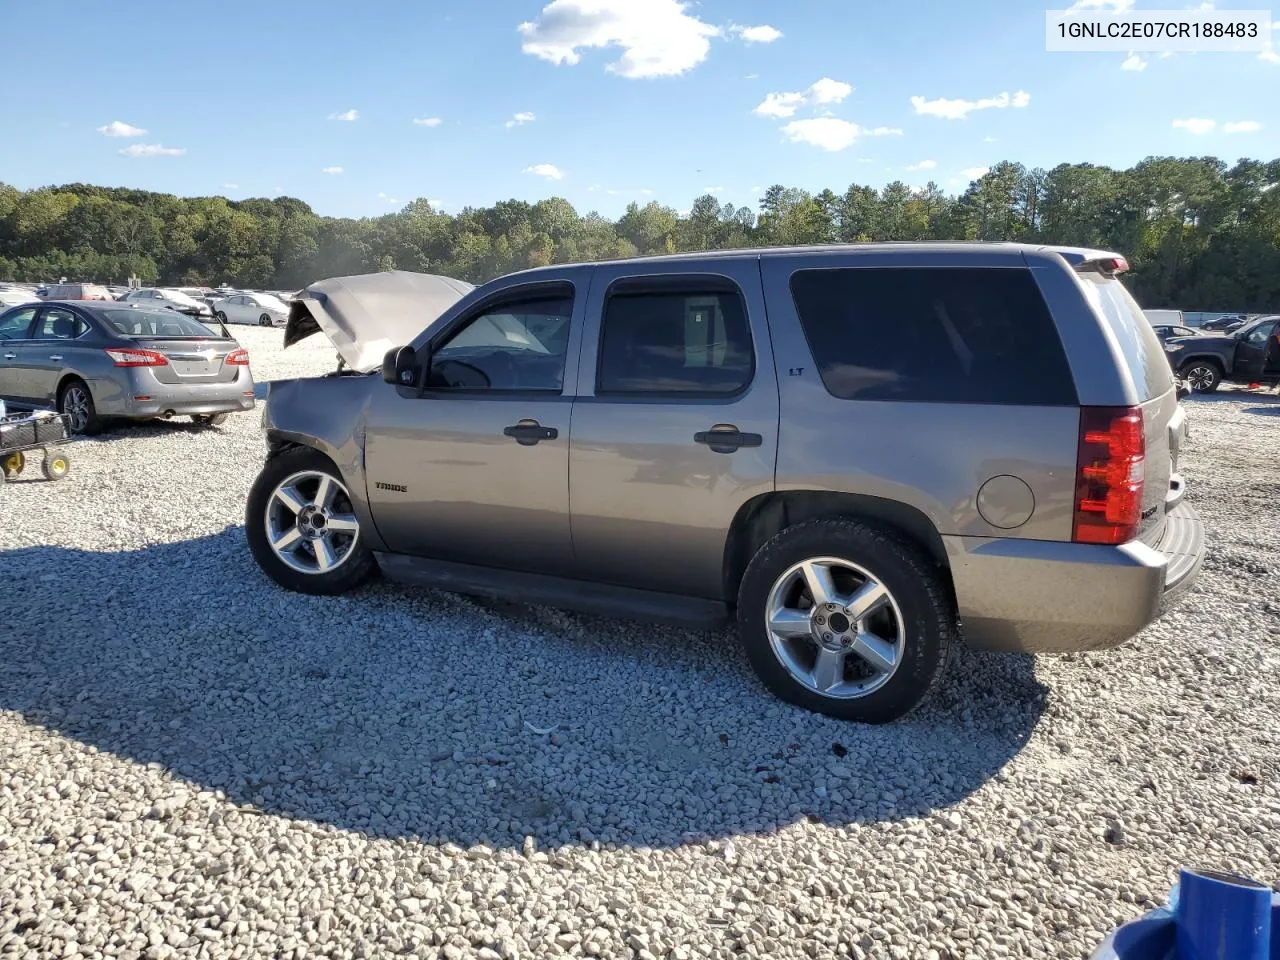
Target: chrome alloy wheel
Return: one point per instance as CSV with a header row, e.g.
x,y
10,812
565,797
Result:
x,y
835,628
1202,377
310,523
75,404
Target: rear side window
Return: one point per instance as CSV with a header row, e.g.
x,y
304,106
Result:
x,y
933,335
1140,348
686,341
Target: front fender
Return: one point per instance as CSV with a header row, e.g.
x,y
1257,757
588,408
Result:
x,y
327,414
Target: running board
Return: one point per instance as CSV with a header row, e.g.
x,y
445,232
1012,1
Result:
x,y
538,588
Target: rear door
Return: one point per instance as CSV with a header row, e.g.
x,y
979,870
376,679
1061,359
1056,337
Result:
x,y
1253,351
15,327
676,422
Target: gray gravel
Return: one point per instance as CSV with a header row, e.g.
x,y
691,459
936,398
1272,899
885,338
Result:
x,y
193,762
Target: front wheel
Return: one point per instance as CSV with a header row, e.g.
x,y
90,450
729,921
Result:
x,y
220,316
54,466
845,619
302,526
13,464
1203,375
264,320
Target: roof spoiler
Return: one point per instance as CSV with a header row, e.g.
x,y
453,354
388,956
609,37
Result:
x,y
1093,261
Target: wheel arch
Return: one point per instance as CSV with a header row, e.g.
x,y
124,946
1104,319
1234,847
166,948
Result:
x,y
763,516
1214,359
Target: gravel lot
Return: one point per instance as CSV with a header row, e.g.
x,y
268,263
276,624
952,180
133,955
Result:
x,y
193,762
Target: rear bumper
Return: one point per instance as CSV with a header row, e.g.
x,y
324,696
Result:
x,y
1040,596
165,399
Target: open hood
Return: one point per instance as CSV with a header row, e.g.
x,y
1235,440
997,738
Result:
x,y
366,315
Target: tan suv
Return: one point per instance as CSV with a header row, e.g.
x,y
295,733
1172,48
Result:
x,y
860,453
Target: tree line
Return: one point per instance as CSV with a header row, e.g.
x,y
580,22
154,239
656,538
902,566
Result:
x,y
1200,235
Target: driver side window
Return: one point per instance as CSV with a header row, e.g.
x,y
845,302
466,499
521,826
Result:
x,y
518,346
1260,334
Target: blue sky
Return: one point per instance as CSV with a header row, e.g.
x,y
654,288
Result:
x,y
599,101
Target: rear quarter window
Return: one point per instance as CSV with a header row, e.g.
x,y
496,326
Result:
x,y
1140,348
933,335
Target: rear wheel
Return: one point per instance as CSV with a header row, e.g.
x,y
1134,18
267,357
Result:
x,y
209,419
845,619
54,466
1203,375
13,464
220,316
76,403
302,527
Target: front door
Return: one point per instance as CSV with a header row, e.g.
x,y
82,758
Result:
x,y
54,345
676,423
1258,354
476,468
15,327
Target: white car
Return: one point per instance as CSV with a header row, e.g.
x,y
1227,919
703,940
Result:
x,y
260,308
14,297
174,299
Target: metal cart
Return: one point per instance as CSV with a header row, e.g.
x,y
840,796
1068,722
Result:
x,y
27,432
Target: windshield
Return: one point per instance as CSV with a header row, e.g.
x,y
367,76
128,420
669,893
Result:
x,y
1139,346
140,323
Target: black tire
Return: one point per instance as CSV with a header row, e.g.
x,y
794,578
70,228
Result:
x,y
912,578
209,419
264,320
12,464
220,316
55,466
1205,376
353,572
91,422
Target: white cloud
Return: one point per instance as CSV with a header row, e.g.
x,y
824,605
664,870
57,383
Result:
x,y
1133,62
348,115
713,189
436,204
383,196
1195,125
959,109
752,76
647,192
761,34
923,165
988,139
118,128
1116,5
883,132
781,105
1241,126
548,170
829,133
756,189
331,170
428,121
152,150
974,173
657,37
1270,56
520,119
231,186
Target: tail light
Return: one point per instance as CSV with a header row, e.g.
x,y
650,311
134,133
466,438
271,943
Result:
x,y
238,358
1110,471
131,357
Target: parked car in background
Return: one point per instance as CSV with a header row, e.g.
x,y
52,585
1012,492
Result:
x,y
76,291
848,449
1224,324
1248,354
94,361
13,296
1165,317
1165,332
261,308
173,299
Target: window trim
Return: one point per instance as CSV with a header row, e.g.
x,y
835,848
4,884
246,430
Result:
x,y
1074,400
520,293
707,284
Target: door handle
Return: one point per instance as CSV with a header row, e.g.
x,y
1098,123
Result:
x,y
11,356
529,432
726,438
55,356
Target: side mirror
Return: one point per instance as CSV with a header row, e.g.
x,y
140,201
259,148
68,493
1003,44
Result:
x,y
400,366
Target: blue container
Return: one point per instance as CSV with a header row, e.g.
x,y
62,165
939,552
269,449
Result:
x,y
1220,916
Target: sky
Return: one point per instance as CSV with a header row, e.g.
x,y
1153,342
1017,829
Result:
x,y
359,108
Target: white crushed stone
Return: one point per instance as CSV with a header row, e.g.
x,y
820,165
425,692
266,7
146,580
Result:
x,y
195,762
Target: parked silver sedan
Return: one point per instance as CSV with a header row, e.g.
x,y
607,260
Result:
x,y
264,309
94,361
